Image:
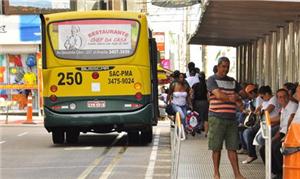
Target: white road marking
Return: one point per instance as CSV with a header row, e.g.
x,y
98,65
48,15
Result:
x,y
22,134
150,168
1,142
96,162
78,148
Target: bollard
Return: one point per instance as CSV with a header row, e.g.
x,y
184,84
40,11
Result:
x,y
29,110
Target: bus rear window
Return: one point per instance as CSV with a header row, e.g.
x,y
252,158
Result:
x,y
94,39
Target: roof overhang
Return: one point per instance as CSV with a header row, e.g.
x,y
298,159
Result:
x,y
231,23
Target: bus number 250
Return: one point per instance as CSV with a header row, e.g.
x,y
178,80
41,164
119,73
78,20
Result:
x,y
69,78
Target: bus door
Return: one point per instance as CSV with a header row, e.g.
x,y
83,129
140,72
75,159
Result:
x,y
154,80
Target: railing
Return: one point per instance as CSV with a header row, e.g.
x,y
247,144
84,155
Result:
x,y
5,106
177,136
266,134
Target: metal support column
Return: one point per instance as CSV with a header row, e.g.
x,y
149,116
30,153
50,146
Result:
x,y
291,53
247,63
238,63
280,57
273,60
254,62
266,67
246,72
241,70
259,75
243,64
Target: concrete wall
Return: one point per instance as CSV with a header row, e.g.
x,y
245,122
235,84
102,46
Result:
x,y
273,59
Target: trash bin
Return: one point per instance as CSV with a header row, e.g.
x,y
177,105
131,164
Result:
x,y
291,152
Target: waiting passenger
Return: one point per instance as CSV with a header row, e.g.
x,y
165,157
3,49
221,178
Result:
x,y
192,79
291,88
271,105
297,96
200,102
191,65
224,98
250,132
288,109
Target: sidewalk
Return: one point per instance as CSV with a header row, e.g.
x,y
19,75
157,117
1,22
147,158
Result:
x,y
196,162
16,120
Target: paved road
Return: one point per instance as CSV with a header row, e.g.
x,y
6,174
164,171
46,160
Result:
x,y
28,152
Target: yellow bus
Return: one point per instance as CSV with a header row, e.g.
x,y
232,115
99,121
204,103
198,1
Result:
x,y
99,74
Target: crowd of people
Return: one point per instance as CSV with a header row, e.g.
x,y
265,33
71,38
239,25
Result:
x,y
232,112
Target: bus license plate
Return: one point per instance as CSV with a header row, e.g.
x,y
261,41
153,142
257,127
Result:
x,y
96,104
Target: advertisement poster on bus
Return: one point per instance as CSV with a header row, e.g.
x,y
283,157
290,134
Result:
x,y
107,40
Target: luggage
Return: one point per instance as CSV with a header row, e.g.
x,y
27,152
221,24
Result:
x,y
192,123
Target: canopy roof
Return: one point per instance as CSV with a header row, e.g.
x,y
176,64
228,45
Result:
x,y
230,23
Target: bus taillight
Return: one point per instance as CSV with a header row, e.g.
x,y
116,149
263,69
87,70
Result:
x,y
95,75
53,88
138,96
53,98
138,86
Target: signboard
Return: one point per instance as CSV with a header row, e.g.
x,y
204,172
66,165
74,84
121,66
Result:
x,y
24,29
166,63
160,40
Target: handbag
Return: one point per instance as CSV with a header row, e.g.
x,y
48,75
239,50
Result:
x,y
169,110
250,120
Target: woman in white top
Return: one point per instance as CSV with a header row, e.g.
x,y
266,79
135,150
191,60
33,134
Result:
x,y
180,99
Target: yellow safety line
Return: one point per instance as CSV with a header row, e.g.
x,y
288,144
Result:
x,y
112,164
96,162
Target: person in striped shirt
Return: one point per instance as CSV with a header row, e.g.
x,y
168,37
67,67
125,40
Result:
x,y
224,98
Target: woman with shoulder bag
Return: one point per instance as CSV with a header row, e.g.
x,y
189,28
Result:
x,y
180,99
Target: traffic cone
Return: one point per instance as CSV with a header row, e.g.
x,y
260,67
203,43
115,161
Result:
x,y
29,110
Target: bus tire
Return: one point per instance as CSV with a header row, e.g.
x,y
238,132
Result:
x,y
58,136
147,135
72,136
133,137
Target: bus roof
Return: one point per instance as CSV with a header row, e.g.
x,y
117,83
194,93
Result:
x,y
94,14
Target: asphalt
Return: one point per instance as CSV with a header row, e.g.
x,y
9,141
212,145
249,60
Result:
x,y
195,158
17,120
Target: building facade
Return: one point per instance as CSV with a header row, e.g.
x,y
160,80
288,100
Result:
x,y
20,41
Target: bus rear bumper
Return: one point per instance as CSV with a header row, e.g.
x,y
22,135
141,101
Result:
x,y
121,121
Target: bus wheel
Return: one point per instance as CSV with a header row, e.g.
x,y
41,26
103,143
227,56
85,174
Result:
x,y
133,137
147,135
72,136
58,136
